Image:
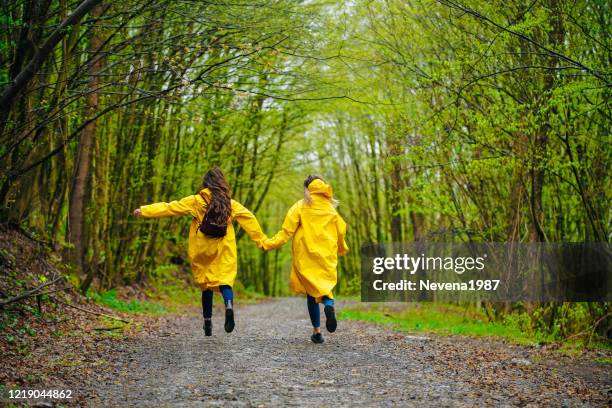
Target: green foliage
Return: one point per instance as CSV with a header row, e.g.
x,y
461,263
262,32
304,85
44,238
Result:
x,y
109,299
247,295
172,286
7,20
58,333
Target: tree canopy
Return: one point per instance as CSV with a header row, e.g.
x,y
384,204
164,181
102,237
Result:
x,y
433,120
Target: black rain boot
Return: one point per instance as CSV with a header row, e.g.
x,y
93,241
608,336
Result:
x,y
229,318
317,338
208,327
330,315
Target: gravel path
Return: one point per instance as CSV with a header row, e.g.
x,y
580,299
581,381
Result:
x,y
269,361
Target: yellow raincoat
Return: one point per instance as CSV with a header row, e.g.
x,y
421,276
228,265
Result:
x,y
318,233
213,260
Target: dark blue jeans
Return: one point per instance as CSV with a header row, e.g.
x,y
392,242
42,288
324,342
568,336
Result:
x,y
207,299
313,309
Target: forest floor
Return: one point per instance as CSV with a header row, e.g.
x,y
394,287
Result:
x,y
269,360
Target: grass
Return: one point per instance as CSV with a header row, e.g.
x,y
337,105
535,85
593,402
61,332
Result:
x,y
447,319
444,320
168,298
168,292
246,296
109,299
604,360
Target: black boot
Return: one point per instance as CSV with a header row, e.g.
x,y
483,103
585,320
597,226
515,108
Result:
x,y
229,320
208,327
330,315
317,338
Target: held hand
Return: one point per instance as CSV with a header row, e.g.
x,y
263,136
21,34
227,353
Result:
x,y
265,245
137,213
261,245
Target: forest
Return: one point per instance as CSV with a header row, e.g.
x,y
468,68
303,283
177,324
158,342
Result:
x,y
433,120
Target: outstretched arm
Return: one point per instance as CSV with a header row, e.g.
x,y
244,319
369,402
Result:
x,y
185,206
290,225
248,222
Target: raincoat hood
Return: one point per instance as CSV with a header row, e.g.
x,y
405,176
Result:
x,y
318,186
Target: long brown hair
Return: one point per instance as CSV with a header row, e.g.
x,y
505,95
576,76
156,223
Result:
x,y
220,205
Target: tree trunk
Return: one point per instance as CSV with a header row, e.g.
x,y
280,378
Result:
x,y
80,182
395,150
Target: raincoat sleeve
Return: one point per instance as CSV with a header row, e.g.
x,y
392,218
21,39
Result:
x,y
248,222
185,206
342,246
290,225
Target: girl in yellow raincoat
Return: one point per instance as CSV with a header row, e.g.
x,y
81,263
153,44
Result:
x,y
213,260
318,233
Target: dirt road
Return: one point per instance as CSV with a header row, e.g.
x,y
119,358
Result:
x,y
269,361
